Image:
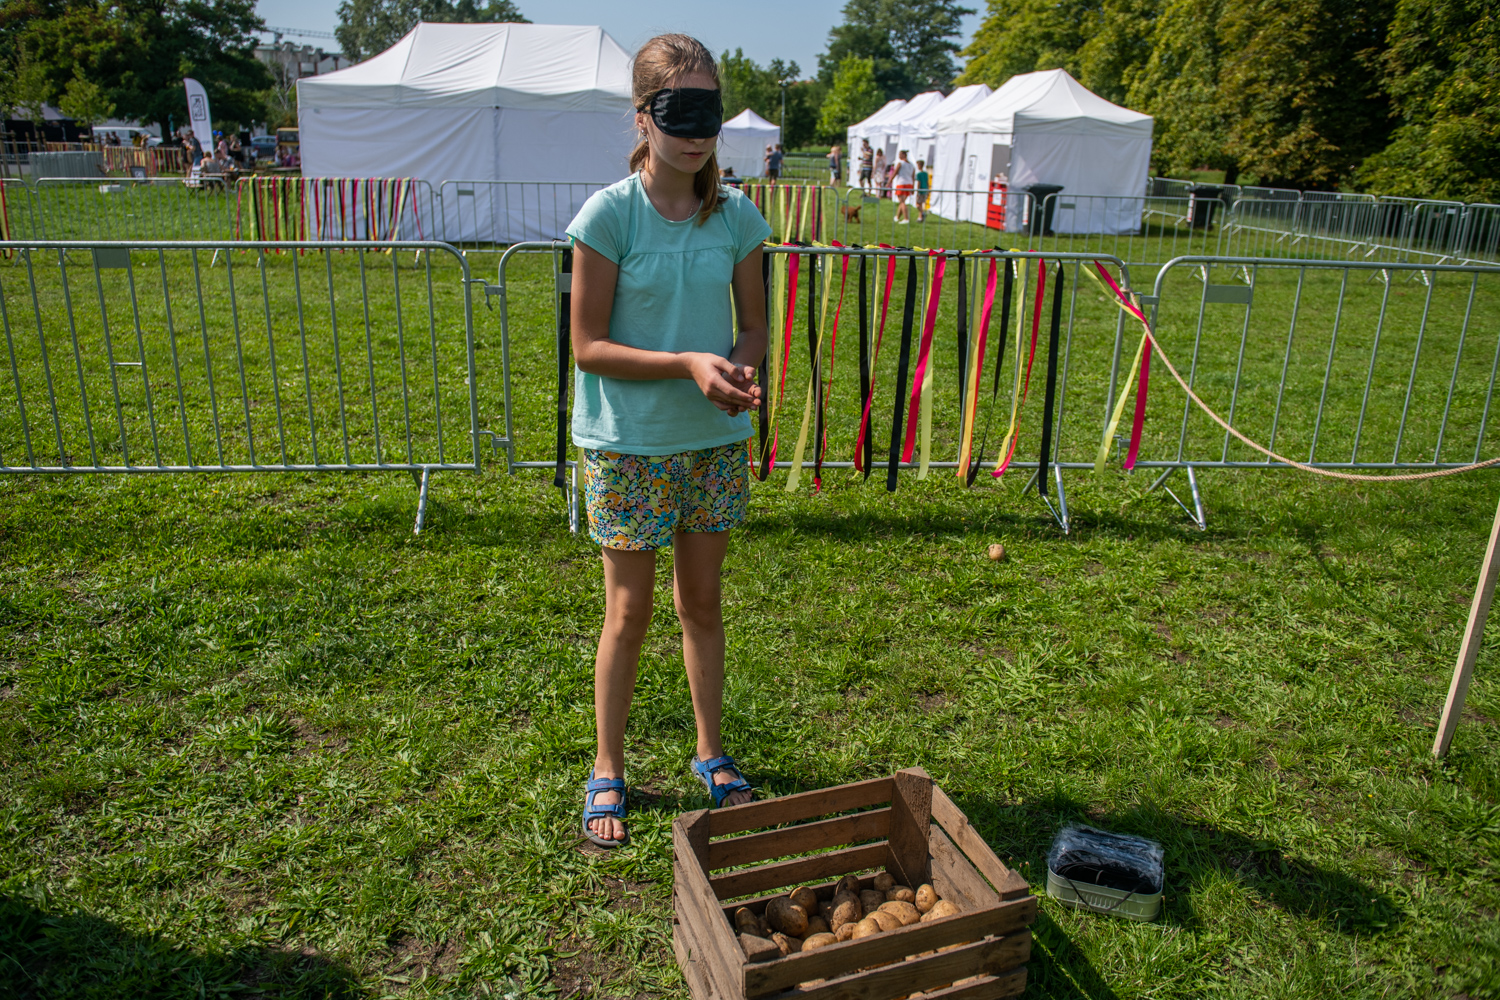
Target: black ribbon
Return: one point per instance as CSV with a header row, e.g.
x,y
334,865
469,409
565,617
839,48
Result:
x,y
765,369
1009,285
564,339
1052,339
893,466
864,363
963,334
817,367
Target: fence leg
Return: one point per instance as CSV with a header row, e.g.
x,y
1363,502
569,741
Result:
x,y
421,498
1196,512
576,473
1469,651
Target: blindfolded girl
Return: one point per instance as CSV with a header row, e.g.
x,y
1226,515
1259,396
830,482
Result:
x,y
663,393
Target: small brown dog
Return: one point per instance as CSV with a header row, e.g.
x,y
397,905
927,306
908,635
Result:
x,y
851,212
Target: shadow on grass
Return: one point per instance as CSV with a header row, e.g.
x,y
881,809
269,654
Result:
x,y
48,953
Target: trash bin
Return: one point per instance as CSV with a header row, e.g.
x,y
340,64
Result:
x,y
1203,199
1040,223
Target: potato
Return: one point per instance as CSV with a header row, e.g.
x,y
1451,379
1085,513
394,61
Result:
x,y
846,910
900,894
942,908
849,883
902,911
845,931
865,928
787,917
787,944
804,897
816,925
825,909
816,941
747,922
887,921
884,881
759,949
927,897
869,899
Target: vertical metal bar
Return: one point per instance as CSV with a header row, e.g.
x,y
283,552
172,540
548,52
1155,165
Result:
x,y
1062,389
1192,369
1333,341
62,267
41,337
239,352
1370,375
437,392
109,353
1286,358
364,289
1239,365
15,374
1458,357
312,420
140,346
1416,358
401,351
510,447
265,293
166,298
338,364
208,364
470,376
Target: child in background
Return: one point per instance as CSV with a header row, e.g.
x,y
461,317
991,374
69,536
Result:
x,y
924,189
904,175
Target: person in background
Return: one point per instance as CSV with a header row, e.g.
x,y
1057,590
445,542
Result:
x,y
236,151
905,176
924,189
773,163
727,176
865,165
880,186
835,164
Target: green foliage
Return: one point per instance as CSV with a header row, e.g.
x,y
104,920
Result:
x,y
369,27
138,51
749,85
854,96
1442,68
1179,86
84,101
910,42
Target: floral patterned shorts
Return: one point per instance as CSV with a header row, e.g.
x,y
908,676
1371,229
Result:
x,y
637,502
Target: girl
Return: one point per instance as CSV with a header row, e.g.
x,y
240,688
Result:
x,y
663,390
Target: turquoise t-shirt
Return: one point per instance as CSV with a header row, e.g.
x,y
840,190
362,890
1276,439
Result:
x,y
673,294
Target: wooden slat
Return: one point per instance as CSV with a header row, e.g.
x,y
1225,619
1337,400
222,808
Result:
x,y
954,878
1009,884
694,964
911,815
695,833
1007,984
698,903
805,805
990,957
789,873
797,839
847,956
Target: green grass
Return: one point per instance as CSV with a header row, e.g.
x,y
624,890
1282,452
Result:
x,y
259,740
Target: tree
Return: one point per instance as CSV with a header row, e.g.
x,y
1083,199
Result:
x,y
84,101
368,27
1442,67
854,96
747,84
1179,87
910,43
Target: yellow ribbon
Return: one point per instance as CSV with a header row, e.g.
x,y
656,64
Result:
x,y
924,401
1015,399
1130,378
794,477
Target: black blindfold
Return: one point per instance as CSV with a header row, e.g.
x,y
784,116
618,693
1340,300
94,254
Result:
x,y
688,112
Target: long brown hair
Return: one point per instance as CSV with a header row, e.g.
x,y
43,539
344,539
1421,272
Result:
x,y
660,63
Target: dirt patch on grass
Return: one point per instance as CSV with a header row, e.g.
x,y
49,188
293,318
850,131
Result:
x,y
412,959
584,971
932,701
311,740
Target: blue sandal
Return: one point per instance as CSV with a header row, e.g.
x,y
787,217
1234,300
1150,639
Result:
x,y
616,810
705,770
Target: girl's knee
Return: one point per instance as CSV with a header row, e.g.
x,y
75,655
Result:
x,y
700,610
629,620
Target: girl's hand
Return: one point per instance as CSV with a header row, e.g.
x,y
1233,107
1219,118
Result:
x,y
728,386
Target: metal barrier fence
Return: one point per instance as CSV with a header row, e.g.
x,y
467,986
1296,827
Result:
x,y
488,215
1141,231
1339,364
158,208
296,357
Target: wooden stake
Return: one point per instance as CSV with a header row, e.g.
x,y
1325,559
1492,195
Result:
x,y
1469,651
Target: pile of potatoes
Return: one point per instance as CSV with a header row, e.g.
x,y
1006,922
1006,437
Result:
x,y
801,921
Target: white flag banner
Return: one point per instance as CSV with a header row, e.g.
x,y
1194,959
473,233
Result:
x,y
199,117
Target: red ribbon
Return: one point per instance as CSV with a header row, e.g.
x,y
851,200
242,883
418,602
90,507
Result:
x,y
1036,324
1138,423
924,355
768,461
885,304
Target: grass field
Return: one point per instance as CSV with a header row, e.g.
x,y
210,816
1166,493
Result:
x,y
259,740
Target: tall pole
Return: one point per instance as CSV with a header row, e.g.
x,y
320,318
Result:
x,y
1469,651
783,111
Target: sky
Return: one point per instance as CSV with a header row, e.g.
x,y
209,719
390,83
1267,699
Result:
x,y
792,30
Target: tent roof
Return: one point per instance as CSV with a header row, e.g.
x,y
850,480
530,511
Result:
x,y
557,67
890,110
956,103
916,109
1048,101
750,120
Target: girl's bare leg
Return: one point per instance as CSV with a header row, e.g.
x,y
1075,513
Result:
x,y
629,578
697,560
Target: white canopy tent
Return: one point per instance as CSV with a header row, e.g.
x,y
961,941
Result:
x,y
919,131
742,144
915,110
872,128
479,104
1047,128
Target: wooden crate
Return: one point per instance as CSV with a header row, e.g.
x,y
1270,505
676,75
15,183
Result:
x,y
922,837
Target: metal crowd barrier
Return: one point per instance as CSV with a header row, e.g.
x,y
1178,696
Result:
x,y
1390,375
155,208
136,357
488,215
1139,230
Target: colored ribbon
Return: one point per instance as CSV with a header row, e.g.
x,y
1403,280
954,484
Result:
x,y
564,342
1008,447
1142,362
768,460
814,385
973,470
1047,398
974,373
921,394
902,366
827,393
863,446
